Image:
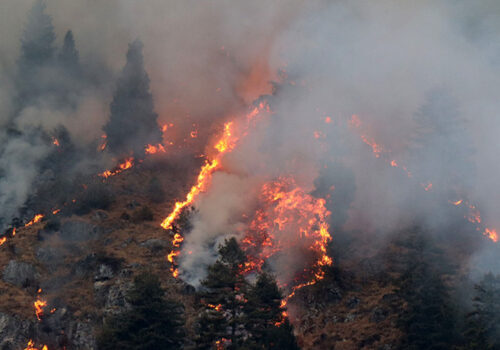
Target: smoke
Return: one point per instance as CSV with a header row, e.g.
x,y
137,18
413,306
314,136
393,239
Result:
x,y
382,61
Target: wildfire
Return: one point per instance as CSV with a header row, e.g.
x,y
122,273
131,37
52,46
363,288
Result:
x,y
127,164
36,219
225,144
104,143
473,216
55,142
289,217
150,149
491,234
31,346
3,240
39,305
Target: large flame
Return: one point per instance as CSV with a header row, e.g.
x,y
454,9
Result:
x,y
289,217
225,144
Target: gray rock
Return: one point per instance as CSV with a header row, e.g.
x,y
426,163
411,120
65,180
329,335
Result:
x,y
13,332
20,274
82,336
101,290
50,257
78,231
100,215
350,317
116,300
104,272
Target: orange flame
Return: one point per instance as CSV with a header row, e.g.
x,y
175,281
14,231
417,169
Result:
x,y
150,149
3,240
225,144
36,219
55,142
491,234
127,164
31,346
39,304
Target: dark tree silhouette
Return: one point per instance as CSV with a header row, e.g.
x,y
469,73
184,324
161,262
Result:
x,y
152,322
132,123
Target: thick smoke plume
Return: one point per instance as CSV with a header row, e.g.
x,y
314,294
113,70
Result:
x,y
422,80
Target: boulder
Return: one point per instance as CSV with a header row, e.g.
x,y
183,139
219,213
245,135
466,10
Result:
x,y
20,274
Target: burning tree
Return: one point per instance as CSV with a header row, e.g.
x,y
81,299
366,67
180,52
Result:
x,y
133,123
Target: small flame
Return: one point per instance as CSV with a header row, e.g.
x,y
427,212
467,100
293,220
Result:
x,y
31,346
36,219
39,304
127,164
3,240
491,234
150,149
55,142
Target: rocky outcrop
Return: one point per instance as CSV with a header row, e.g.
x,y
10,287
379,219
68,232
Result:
x,y
79,231
20,274
13,332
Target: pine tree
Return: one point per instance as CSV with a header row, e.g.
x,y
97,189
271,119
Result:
x,y
264,317
441,151
37,43
429,318
133,122
68,56
152,322
37,55
483,323
222,297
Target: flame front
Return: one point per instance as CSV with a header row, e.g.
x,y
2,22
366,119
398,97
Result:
x,y
127,164
289,217
225,144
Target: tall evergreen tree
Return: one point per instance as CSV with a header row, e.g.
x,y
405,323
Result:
x,y
441,150
152,322
68,56
222,297
483,323
132,123
264,317
429,318
37,55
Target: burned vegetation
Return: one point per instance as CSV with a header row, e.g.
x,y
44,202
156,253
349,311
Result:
x,y
281,216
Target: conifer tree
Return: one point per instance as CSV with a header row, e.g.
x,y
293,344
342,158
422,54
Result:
x,y
222,297
37,55
483,323
264,317
151,323
132,123
68,55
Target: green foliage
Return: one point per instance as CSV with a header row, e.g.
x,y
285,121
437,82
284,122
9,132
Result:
x,y
429,318
132,123
151,323
248,316
264,317
483,323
